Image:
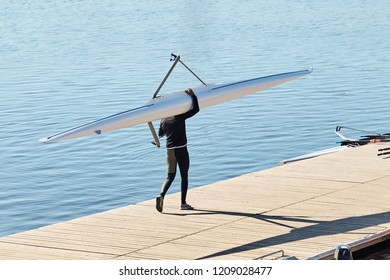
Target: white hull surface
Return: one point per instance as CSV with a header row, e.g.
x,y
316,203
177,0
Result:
x,y
175,104
314,154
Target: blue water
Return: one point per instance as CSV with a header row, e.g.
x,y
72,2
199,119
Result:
x,y
64,63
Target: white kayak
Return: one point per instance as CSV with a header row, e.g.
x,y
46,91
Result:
x,y
176,103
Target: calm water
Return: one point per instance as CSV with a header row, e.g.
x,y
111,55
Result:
x,y
64,63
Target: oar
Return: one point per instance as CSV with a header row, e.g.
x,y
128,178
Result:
x,y
373,137
362,141
383,154
385,150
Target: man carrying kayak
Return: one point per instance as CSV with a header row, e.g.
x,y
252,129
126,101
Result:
x,y
174,128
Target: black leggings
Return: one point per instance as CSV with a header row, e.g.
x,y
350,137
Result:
x,y
176,157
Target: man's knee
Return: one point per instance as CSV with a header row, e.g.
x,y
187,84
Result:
x,y
171,176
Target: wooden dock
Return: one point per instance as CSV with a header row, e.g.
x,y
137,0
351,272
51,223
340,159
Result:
x,y
303,208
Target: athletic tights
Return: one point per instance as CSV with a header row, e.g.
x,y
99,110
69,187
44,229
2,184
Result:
x,y
180,157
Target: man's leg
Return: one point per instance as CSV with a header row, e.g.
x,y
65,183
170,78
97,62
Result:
x,y
183,161
171,170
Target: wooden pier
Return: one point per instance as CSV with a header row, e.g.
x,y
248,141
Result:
x,y
299,209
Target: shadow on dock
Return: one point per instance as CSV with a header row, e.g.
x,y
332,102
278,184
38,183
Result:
x,y
318,228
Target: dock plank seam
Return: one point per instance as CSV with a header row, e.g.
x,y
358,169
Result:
x,y
56,248
311,178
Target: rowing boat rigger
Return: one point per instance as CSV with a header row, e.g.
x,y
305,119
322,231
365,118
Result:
x,y
176,103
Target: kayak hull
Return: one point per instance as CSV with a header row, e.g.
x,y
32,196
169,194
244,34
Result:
x,y
176,103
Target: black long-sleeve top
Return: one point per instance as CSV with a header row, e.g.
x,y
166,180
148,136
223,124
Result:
x,y
174,128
